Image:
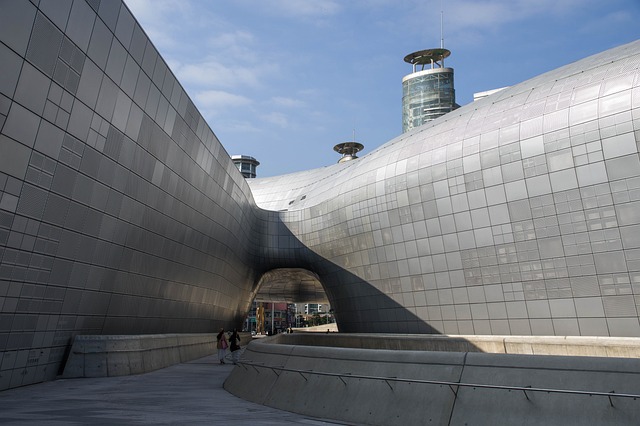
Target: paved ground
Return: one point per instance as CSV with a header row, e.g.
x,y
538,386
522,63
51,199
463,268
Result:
x,y
183,394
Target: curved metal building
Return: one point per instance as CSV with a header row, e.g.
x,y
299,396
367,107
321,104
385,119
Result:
x,y
121,212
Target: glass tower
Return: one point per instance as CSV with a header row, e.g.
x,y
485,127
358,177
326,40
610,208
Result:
x,y
427,93
246,164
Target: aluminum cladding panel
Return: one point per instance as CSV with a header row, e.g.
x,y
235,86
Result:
x,y
120,212
516,214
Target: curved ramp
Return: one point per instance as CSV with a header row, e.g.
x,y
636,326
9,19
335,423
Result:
x,y
458,384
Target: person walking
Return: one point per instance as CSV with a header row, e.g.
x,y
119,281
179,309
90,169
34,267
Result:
x,y
222,345
234,340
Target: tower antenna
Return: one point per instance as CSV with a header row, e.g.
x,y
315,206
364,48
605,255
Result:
x,y
428,93
441,26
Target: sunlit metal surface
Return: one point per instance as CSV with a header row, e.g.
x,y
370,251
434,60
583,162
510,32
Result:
x,y
121,212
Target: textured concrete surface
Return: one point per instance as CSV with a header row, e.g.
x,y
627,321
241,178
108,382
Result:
x,y
105,356
417,387
184,394
602,346
122,355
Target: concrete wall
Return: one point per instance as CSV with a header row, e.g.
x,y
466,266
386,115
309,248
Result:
x,y
103,356
621,347
379,402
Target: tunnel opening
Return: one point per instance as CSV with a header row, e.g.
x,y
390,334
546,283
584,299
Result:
x,y
288,298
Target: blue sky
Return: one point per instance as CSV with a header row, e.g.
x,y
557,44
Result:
x,y
286,80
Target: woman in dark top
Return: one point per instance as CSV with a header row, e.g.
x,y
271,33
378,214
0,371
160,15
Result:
x,y
235,346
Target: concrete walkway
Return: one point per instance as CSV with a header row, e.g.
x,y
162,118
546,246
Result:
x,y
184,394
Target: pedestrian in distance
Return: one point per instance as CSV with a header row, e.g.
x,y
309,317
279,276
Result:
x,y
234,340
222,345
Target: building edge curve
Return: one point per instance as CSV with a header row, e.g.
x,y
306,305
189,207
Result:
x,y
122,213
511,215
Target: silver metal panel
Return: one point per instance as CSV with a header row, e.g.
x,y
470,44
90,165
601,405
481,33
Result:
x,y
120,211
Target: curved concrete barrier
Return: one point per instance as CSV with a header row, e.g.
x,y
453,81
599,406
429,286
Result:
x,y
619,347
320,375
103,356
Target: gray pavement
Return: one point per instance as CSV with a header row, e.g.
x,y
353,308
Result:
x,y
185,394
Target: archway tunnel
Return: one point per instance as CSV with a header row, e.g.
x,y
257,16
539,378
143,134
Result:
x,y
284,287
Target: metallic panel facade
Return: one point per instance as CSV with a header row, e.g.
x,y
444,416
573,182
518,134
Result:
x,y
518,214
121,213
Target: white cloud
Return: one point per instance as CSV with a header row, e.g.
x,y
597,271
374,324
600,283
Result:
x,y
159,18
277,118
155,10
606,21
301,9
218,99
231,40
238,46
241,126
489,14
234,59
310,92
286,102
212,73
